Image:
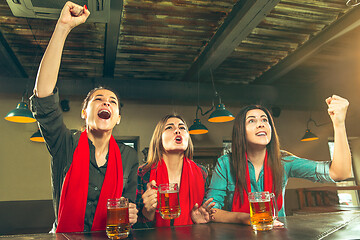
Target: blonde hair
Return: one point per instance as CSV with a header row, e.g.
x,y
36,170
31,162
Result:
x,y
156,149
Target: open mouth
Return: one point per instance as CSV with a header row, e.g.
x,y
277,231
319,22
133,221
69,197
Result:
x,y
178,139
104,114
261,134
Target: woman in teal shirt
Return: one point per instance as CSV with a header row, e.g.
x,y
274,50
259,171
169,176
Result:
x,y
257,164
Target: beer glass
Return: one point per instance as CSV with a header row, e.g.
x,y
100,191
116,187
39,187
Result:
x,y
263,210
117,221
169,201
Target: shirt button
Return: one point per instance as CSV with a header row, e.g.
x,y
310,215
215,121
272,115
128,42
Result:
x,y
96,188
89,203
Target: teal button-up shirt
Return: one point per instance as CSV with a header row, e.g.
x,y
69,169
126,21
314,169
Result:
x,y
222,184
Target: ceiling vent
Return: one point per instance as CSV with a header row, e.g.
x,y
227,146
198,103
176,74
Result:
x,y
50,9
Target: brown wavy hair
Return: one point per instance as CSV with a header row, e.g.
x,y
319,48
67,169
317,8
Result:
x,y
156,149
239,149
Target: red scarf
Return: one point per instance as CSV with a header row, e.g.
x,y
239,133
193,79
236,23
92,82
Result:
x,y
243,206
74,192
192,190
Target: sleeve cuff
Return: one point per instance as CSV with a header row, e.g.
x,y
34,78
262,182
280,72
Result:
x,y
46,105
323,171
218,206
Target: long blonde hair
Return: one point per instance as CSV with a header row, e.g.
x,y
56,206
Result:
x,y
156,149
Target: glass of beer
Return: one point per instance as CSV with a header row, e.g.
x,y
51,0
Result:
x,y
169,201
117,222
263,210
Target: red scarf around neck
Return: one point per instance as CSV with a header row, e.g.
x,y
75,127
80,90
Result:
x,y
243,205
74,191
192,190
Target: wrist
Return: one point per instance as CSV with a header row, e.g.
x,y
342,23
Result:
x,y
243,218
150,215
62,29
340,125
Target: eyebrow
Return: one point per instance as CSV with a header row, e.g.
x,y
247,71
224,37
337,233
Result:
x,y
264,115
101,95
174,124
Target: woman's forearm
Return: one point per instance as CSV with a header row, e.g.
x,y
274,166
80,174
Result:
x,y
149,215
340,168
230,217
71,16
49,67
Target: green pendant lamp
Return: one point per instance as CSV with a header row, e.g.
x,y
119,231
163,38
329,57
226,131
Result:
x,y
21,114
198,128
309,136
37,137
221,114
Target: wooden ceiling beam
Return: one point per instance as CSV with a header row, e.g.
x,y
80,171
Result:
x,y
9,60
340,27
243,18
182,93
112,32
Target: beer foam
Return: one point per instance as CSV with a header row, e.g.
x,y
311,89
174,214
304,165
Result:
x,y
259,200
169,191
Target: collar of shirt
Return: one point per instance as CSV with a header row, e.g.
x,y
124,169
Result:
x,y
256,186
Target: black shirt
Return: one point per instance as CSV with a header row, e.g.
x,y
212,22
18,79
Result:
x,y
62,142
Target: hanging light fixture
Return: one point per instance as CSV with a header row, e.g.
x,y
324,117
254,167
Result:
x,y
198,128
37,137
21,114
220,114
309,136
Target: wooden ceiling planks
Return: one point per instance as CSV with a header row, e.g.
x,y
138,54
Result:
x,y
160,40
288,26
164,37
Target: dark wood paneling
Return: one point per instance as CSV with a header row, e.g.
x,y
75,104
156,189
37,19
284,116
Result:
x,y
17,217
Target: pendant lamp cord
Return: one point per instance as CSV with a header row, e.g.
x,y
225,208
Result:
x,y
198,99
213,84
317,125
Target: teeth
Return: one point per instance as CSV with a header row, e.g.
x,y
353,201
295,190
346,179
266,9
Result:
x,y
261,134
104,114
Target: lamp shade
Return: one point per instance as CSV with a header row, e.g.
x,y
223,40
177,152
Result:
x,y
198,128
309,136
21,114
37,137
221,114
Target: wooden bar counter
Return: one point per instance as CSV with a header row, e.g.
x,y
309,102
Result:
x,y
335,225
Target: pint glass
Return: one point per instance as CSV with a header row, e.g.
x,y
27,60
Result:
x,y
263,210
169,200
117,222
